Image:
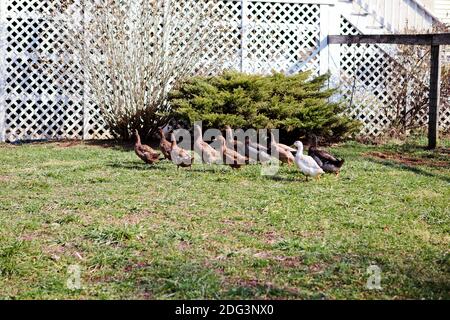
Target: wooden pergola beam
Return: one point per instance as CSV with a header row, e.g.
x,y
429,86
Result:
x,y
434,40
431,39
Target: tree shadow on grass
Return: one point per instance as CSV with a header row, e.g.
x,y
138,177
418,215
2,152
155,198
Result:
x,y
118,145
416,170
192,280
206,170
132,165
285,179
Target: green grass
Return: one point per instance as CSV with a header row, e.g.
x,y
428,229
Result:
x,y
154,233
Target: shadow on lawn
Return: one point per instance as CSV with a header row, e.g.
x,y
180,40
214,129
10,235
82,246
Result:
x,y
285,179
416,170
111,144
133,165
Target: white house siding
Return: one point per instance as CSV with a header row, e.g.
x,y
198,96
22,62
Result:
x,y
442,10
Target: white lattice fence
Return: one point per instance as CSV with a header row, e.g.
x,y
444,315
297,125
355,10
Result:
x,y
44,95
281,36
379,89
43,88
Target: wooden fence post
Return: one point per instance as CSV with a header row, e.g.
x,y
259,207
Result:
x,y
3,75
435,88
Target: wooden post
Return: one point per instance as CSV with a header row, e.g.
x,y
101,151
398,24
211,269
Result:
x,y
3,76
435,88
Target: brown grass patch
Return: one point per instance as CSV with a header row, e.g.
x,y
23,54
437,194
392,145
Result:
x,y
284,261
68,144
263,286
5,178
407,160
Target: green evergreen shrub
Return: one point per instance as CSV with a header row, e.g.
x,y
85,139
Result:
x,y
297,104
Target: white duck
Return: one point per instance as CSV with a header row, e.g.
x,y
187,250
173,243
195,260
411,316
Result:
x,y
306,164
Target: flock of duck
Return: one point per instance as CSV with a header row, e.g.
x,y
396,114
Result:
x,y
316,163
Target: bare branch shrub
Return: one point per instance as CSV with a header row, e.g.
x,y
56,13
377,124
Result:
x,y
409,108
133,51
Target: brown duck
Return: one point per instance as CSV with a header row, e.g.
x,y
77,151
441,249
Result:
x,y
231,157
208,154
179,156
146,153
284,155
165,145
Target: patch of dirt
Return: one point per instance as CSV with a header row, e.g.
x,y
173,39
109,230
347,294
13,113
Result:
x,y
5,178
131,218
184,245
259,285
113,144
285,261
316,268
42,235
407,160
271,237
311,234
68,144
137,266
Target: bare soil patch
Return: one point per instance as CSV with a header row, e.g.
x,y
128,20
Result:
x,y
407,160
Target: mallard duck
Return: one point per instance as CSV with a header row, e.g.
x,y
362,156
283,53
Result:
x,y
324,159
307,165
146,153
208,154
231,157
164,145
179,156
284,155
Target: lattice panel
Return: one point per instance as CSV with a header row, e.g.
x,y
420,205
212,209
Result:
x,y
281,37
377,87
45,92
43,84
227,16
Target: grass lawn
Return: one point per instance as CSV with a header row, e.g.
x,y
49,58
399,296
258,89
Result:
x,y
155,233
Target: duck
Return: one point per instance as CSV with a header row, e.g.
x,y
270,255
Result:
x,y
145,152
284,155
325,160
229,156
257,146
165,145
306,164
243,148
208,154
283,146
254,153
229,136
179,156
